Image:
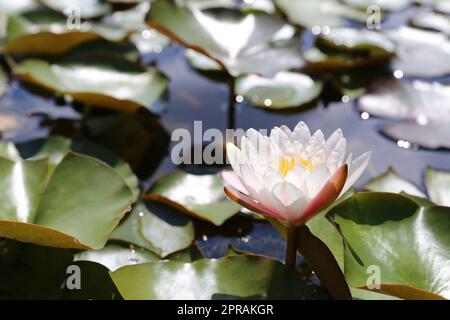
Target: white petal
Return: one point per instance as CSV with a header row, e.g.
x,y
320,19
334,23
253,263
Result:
x,y
250,180
315,144
235,157
336,156
356,169
287,131
292,199
232,179
271,177
297,176
279,138
317,179
333,141
301,133
286,192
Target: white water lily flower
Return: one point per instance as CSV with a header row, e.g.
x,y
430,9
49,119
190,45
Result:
x,y
291,175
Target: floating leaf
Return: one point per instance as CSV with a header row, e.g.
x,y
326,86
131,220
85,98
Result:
x,y
348,39
346,48
433,21
114,256
85,8
228,277
382,4
46,32
98,80
132,21
76,205
200,196
156,227
17,6
56,147
421,53
390,181
438,186
423,108
285,90
95,283
240,42
409,244
329,13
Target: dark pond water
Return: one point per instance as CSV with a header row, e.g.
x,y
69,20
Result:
x,y
193,96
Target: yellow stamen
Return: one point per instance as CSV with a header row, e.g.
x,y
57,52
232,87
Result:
x,y
286,164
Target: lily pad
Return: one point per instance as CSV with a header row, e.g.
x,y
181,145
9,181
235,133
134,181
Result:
x,y
62,207
386,5
240,42
17,6
285,90
200,196
438,186
329,13
434,21
423,109
87,8
390,181
156,227
345,48
56,147
353,40
46,32
114,256
421,53
228,277
409,244
98,80
132,21
95,283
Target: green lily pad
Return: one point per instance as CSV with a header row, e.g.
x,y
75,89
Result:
x,y
422,109
228,277
132,21
310,13
56,147
248,50
17,6
345,48
95,283
46,32
114,257
200,196
285,90
87,8
62,207
390,181
382,4
434,21
353,40
408,243
421,53
156,227
438,186
98,80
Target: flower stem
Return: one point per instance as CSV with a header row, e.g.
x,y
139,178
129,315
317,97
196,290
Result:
x,y
291,247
